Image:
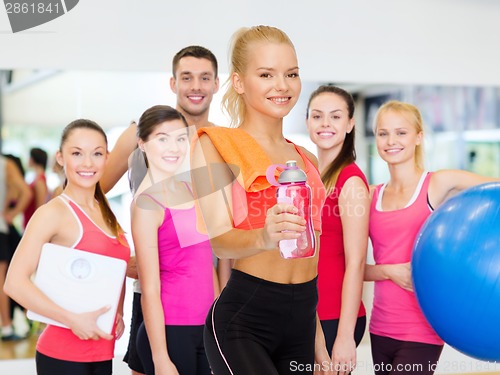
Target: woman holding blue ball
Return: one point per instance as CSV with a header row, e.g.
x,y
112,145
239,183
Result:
x,y
402,340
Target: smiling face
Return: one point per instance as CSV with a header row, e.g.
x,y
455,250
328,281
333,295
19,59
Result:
x,y
328,121
166,148
396,138
83,157
195,84
271,84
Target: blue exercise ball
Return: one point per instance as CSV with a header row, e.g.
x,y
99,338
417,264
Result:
x,y
456,271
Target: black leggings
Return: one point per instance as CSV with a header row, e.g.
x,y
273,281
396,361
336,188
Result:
x,y
185,349
49,366
261,327
330,328
393,357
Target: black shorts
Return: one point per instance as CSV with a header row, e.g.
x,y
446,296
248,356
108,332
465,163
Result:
x,y
5,253
8,243
50,366
330,328
131,356
261,327
185,349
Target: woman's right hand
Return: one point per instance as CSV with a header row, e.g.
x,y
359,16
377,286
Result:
x,y
166,368
400,274
84,325
282,223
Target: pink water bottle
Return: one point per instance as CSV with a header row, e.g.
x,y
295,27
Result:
x,y
293,189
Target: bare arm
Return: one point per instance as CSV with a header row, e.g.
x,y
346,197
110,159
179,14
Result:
x,y
446,183
41,193
132,268
120,325
43,227
224,267
145,224
216,284
354,208
321,357
398,273
443,184
209,171
117,163
310,156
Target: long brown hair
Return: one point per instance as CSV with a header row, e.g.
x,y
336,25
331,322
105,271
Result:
x,y
106,212
347,154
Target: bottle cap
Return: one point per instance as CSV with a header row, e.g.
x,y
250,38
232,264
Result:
x,y
292,173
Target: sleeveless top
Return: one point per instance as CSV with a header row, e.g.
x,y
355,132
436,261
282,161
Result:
x,y
4,228
31,207
61,343
396,313
253,195
331,265
186,268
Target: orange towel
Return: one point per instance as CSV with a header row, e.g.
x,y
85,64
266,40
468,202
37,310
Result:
x,y
237,147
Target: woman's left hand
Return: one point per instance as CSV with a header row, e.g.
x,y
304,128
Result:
x,y
344,355
322,363
400,274
120,326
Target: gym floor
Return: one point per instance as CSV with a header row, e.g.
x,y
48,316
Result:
x,y
17,358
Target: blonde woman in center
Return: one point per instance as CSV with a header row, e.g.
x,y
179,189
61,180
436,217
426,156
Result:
x,y
264,321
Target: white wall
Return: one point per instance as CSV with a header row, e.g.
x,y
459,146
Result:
x,y
452,42
412,41
111,98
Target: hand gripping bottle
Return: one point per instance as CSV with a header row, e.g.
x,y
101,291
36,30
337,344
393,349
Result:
x,y
293,189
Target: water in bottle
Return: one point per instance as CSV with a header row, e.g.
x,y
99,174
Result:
x,y
292,188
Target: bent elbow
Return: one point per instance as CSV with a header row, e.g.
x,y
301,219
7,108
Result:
x,y
219,251
8,288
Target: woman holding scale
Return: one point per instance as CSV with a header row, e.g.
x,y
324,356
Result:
x,y
80,219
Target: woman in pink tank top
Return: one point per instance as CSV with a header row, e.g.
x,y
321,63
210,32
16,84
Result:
x,y
178,280
80,219
401,338
344,236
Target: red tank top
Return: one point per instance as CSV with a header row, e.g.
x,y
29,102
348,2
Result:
x,y
254,195
61,343
331,265
31,207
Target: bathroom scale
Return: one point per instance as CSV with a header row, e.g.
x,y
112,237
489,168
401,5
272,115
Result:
x,y
79,281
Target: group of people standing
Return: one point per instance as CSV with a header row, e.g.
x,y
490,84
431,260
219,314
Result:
x,y
20,200
201,189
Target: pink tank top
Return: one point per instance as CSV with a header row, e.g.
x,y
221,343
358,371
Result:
x,y
396,313
61,343
186,268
